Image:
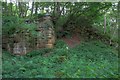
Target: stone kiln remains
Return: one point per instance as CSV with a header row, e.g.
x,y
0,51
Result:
x,y
46,34
45,38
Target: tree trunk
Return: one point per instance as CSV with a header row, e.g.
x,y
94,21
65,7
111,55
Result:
x,y
11,8
26,9
104,24
32,9
63,10
54,8
4,4
57,10
17,12
11,4
36,7
26,12
118,14
19,5
6,9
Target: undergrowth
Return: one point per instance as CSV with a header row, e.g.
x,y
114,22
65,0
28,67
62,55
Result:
x,y
88,60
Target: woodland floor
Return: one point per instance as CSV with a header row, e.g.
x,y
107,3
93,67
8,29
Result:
x,y
92,59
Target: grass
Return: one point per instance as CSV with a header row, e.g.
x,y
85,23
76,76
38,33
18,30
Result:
x,y
91,59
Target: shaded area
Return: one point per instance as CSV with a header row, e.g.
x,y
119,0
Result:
x,y
72,41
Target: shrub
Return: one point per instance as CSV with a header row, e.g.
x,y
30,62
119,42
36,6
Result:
x,y
60,44
9,24
38,52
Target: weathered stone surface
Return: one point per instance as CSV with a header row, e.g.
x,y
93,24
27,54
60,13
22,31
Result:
x,y
18,44
19,48
46,27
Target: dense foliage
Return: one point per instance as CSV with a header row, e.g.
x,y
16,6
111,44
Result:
x,y
88,60
14,24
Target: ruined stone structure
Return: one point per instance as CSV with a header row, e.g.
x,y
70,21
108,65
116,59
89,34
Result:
x,y
45,38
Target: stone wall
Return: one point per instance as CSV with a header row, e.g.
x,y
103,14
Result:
x,y
18,44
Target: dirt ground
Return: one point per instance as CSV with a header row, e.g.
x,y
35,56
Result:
x,y
72,41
